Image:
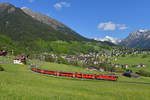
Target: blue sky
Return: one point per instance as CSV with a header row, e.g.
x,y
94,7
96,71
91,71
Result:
x,y
94,18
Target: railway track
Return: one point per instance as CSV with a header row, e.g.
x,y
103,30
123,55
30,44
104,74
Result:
x,y
133,82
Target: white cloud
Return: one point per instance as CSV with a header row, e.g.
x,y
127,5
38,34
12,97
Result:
x,y
109,26
122,27
60,5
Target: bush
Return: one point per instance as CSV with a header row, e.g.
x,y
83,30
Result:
x,y
144,73
134,55
75,63
144,56
119,70
50,59
106,66
62,61
1,68
123,56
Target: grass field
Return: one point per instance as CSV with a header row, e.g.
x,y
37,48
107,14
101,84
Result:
x,y
17,82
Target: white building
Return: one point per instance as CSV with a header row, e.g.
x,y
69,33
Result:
x,y
20,59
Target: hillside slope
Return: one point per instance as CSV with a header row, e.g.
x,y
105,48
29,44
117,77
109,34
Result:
x,y
19,26
58,26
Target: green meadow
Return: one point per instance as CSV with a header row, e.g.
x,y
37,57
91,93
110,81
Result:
x,y
17,82
135,60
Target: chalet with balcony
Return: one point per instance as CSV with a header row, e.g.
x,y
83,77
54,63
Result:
x,y
20,59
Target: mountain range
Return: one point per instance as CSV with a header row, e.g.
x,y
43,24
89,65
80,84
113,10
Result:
x,y
136,39
23,24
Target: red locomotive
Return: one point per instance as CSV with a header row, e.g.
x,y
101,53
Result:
x,y
76,75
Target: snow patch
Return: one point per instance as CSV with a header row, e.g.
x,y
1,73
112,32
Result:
x,y
143,30
148,36
24,8
108,39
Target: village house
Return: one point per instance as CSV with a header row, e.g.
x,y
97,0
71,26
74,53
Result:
x,y
101,70
141,65
96,62
92,68
117,65
3,53
138,66
115,59
42,57
20,59
54,56
125,66
63,56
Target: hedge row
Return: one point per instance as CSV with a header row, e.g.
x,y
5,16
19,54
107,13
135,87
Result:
x,y
144,73
1,68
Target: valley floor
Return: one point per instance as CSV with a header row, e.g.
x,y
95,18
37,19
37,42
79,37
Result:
x,y
17,82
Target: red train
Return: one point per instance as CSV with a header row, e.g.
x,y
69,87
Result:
x,y
76,75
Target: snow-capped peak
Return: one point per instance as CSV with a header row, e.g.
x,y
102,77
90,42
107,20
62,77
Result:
x,y
109,39
141,30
